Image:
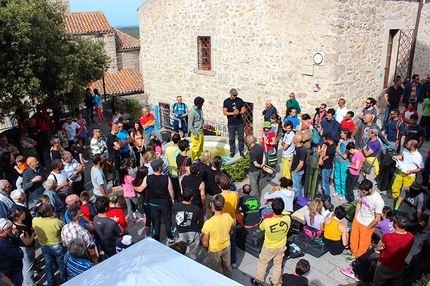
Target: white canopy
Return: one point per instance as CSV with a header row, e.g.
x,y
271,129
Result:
x,y
149,262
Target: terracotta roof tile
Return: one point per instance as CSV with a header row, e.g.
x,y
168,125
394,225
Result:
x,y
86,23
124,41
125,81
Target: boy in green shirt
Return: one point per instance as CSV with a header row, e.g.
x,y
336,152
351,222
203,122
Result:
x,y
275,240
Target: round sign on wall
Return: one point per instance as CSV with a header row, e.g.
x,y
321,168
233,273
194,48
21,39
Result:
x,y
318,58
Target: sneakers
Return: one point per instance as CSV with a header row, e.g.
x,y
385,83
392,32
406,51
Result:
x,y
334,195
255,282
170,241
342,198
347,252
234,265
133,221
350,258
350,273
142,219
85,161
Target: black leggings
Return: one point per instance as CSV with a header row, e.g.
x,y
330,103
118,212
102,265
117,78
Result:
x,y
350,182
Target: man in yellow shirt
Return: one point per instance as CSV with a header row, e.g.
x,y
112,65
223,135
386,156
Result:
x,y
48,230
275,240
216,237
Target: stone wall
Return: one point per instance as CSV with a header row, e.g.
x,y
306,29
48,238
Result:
x,y
128,59
264,49
110,48
422,52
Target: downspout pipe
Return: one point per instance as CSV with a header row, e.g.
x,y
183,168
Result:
x,y
414,35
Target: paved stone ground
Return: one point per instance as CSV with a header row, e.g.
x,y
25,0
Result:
x,y
324,270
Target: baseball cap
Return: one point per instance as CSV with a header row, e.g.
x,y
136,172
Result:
x,y
156,164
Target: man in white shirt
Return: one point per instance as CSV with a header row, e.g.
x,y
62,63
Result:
x,y
413,162
368,214
63,187
73,128
98,178
287,149
74,171
341,110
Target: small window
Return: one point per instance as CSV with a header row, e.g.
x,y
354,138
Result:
x,y
204,53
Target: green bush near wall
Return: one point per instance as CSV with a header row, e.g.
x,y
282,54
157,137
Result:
x,y
238,170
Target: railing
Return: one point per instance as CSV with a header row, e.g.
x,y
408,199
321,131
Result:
x,y
165,121
213,126
123,104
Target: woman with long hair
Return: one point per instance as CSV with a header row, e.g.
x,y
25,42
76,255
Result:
x,y
84,132
353,171
138,138
8,168
97,100
335,232
313,215
204,163
142,172
16,216
341,164
157,145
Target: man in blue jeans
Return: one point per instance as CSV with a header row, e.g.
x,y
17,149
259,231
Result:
x,y
298,164
48,230
393,97
327,153
234,108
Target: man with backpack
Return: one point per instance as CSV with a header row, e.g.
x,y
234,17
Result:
x,y
179,110
395,126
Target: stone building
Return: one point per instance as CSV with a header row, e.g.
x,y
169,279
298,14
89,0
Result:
x,y
269,48
123,76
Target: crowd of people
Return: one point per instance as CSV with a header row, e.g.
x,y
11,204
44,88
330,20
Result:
x,y
189,191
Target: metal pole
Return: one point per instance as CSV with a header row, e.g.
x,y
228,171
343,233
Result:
x,y
104,86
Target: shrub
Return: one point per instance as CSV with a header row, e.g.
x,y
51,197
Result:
x,y
238,170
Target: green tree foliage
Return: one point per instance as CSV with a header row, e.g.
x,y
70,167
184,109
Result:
x,y
39,59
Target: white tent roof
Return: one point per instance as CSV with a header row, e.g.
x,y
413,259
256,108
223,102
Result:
x,y
149,262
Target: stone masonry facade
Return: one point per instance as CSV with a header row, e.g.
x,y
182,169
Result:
x,y
264,48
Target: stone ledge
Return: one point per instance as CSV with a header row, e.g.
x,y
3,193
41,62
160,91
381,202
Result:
x,y
206,73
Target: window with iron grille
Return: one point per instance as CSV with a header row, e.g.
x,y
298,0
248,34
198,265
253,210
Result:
x,y
204,53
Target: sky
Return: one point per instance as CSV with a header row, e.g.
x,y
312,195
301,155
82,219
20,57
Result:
x,y
120,13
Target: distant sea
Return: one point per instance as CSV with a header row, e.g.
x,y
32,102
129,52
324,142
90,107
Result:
x,y
131,30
